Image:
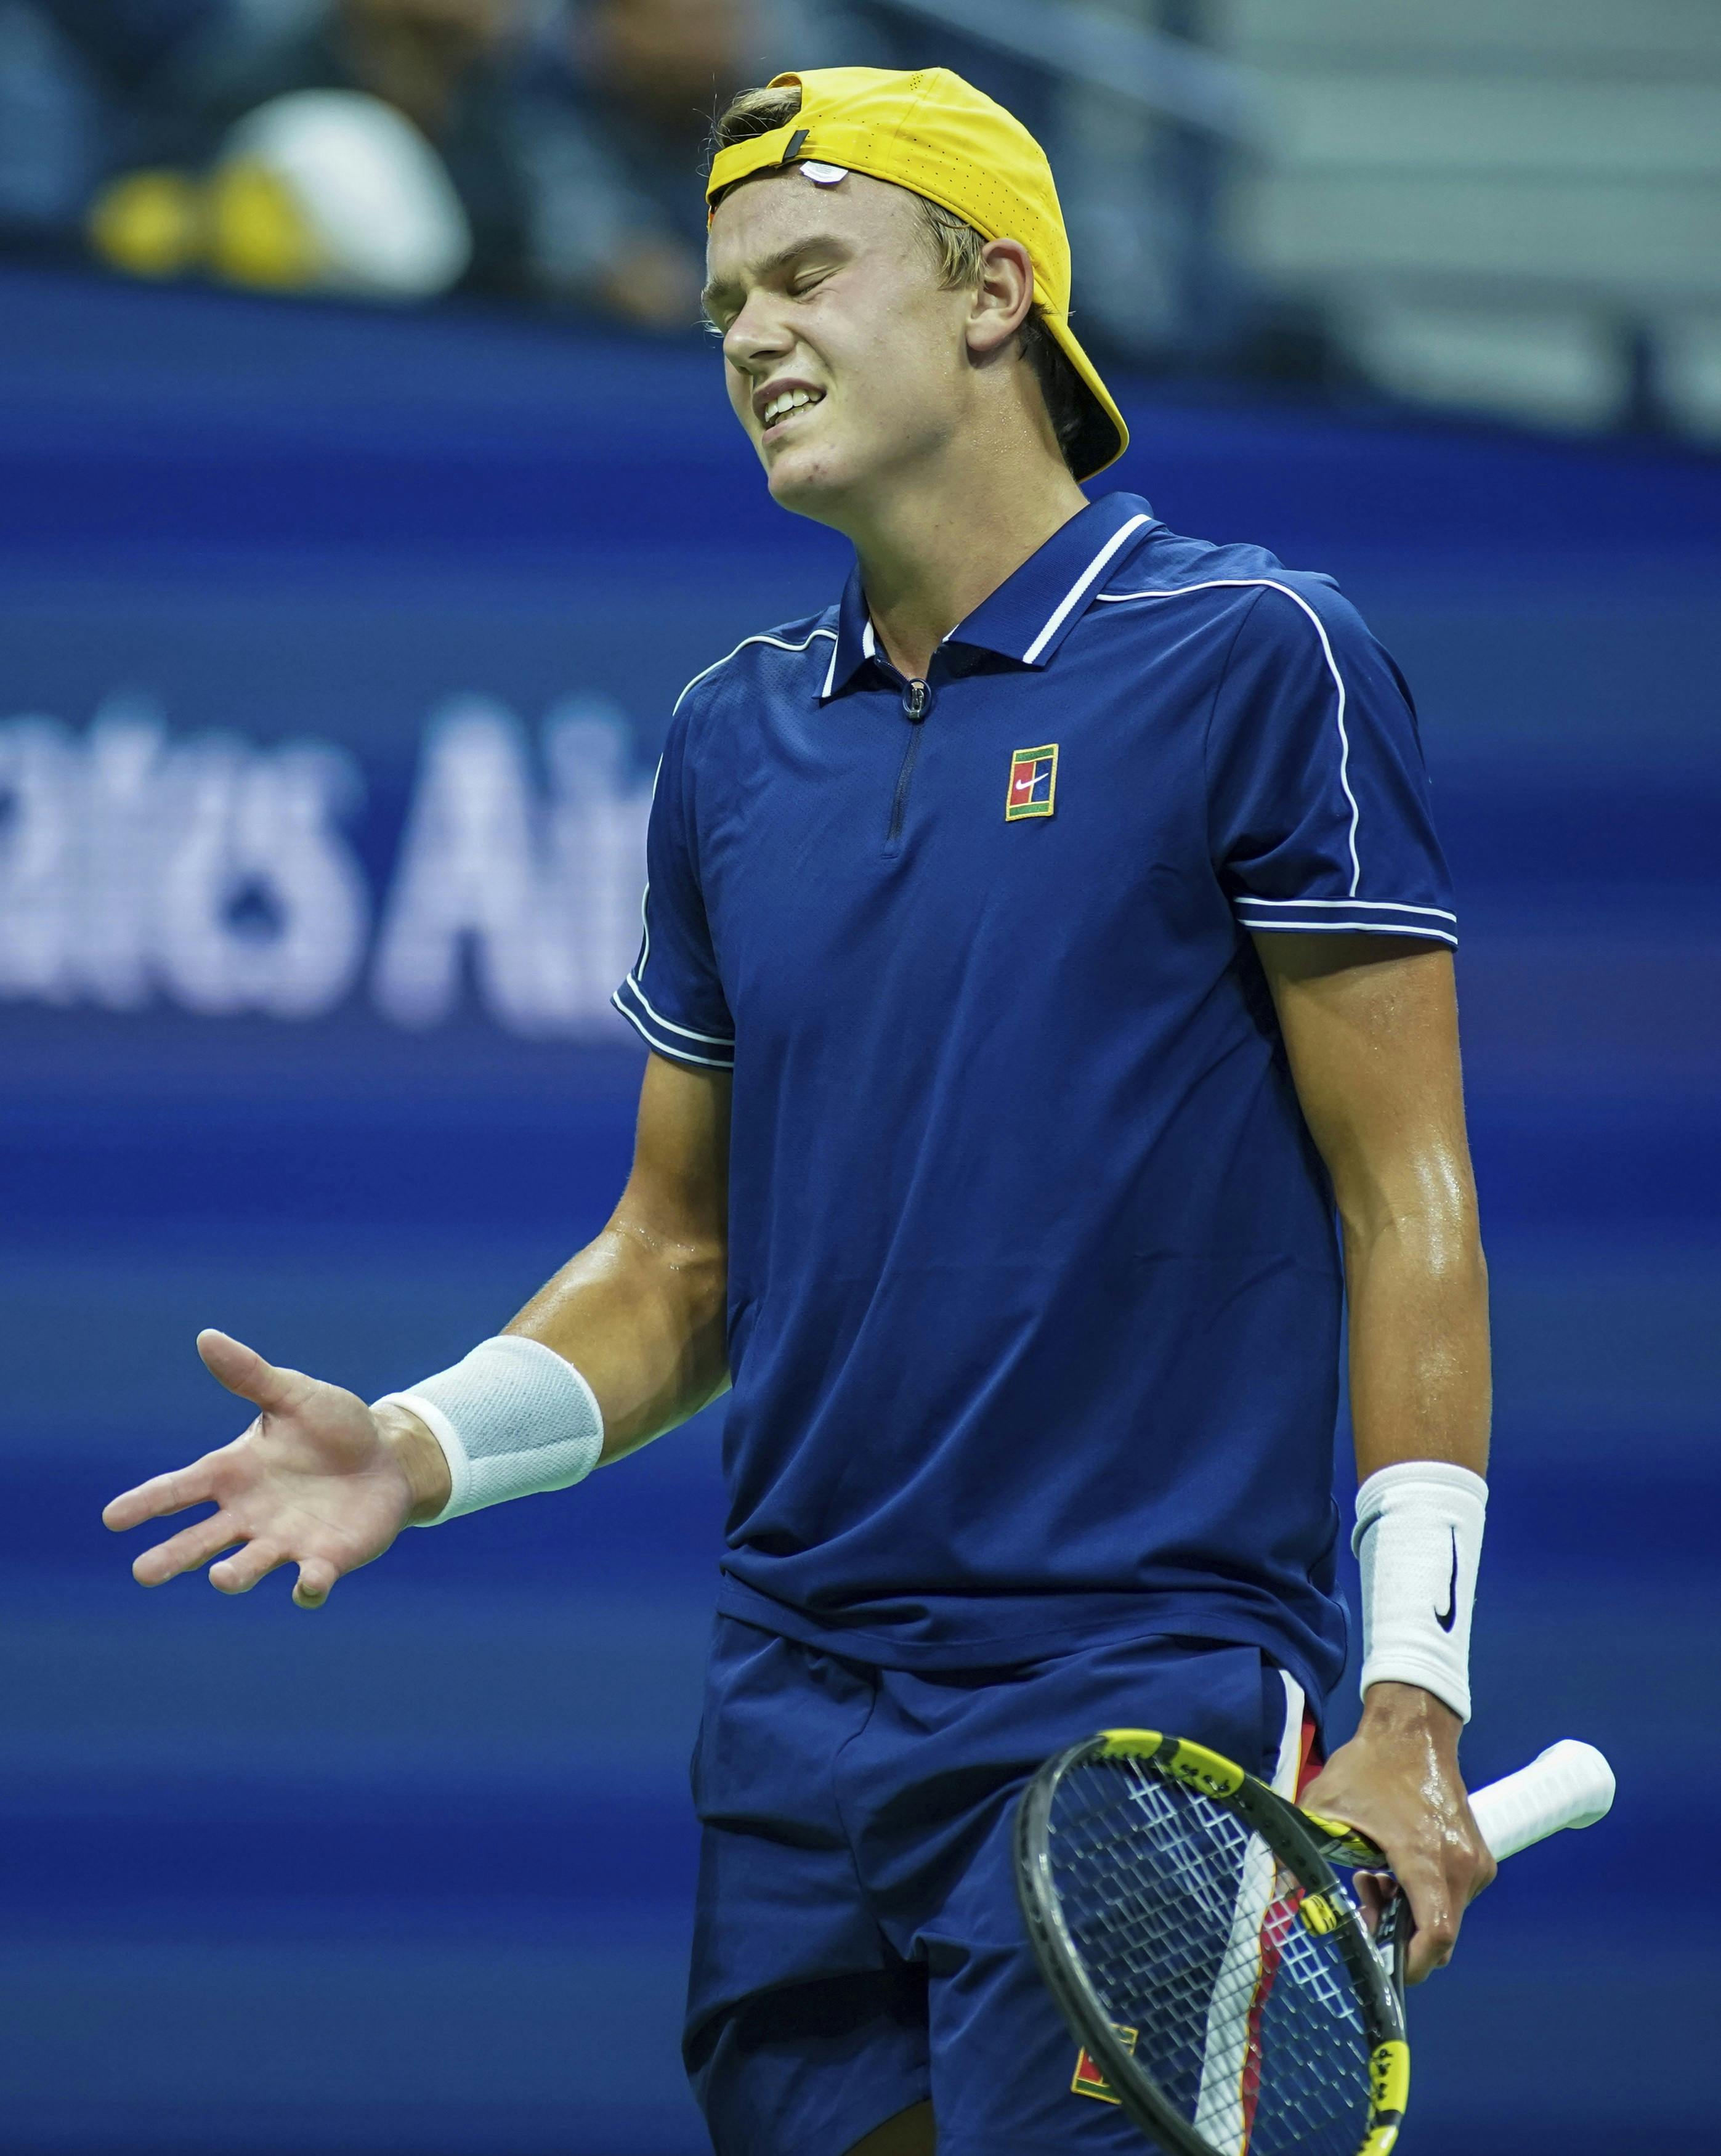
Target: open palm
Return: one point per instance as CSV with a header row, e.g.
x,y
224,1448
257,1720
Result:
x,y
312,1482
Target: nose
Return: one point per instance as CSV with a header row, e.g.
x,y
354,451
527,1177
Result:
x,y
758,338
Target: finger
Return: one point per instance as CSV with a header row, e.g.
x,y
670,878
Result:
x,y
160,1495
243,1371
1376,1892
1436,1916
317,1576
240,1573
185,1551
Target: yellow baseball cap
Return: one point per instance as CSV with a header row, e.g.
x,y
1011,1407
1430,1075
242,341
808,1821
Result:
x,y
938,136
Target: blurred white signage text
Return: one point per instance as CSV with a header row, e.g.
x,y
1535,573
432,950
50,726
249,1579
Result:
x,y
219,875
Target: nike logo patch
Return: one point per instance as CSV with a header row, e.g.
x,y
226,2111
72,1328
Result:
x,y
1445,1618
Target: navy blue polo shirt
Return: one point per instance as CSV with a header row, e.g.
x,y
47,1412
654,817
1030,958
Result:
x,y
1034,1279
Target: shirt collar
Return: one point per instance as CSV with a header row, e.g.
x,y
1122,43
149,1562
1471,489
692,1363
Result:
x,y
1031,613
854,646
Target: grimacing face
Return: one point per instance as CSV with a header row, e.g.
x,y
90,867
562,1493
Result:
x,y
830,295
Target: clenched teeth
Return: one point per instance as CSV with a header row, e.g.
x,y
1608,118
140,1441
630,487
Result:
x,y
790,400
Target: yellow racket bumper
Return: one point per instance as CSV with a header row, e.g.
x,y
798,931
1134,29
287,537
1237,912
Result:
x,y
1389,2092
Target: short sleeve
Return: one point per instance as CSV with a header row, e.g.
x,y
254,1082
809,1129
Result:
x,y
1318,812
673,997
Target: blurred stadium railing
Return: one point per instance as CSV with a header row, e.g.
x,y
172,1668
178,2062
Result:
x,y
1496,204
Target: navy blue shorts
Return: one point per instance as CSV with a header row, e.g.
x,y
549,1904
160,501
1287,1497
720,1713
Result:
x,y
858,1947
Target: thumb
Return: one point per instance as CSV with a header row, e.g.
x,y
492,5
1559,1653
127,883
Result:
x,y
243,1371
316,1579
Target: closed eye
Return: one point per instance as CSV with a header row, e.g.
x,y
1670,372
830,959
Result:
x,y
787,270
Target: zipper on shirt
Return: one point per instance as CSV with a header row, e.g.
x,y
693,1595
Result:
x,y
917,702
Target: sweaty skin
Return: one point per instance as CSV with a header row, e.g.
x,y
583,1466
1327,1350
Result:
x,y
930,447
1371,1027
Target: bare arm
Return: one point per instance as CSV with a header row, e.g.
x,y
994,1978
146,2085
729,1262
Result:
x,y
1371,1027
319,1481
640,1311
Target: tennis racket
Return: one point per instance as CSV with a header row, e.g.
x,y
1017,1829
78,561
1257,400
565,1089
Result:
x,y
1209,1959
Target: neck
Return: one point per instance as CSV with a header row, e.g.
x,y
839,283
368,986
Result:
x,y
947,539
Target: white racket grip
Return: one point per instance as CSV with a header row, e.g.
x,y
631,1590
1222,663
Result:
x,y
1570,1784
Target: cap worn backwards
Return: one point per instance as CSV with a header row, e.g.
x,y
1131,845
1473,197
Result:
x,y
938,136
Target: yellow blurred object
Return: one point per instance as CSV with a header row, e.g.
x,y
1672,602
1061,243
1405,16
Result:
x,y
242,225
257,232
149,225
316,190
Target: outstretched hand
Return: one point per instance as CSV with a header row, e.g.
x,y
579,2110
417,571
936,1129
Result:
x,y
315,1481
1397,1780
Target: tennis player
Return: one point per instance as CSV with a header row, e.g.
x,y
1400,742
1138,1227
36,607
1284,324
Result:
x,y
1048,979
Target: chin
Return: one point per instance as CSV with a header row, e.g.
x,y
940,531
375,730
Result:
x,y
810,484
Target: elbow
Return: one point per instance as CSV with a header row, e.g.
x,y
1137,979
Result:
x,y
682,1264
1444,1243
1430,1209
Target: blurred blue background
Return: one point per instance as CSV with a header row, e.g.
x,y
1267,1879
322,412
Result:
x,y
334,651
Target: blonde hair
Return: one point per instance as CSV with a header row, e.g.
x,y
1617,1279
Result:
x,y
958,253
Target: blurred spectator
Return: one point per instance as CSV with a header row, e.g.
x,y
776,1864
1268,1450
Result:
x,y
615,118
568,135
81,82
48,126
427,58
615,114
552,148
448,66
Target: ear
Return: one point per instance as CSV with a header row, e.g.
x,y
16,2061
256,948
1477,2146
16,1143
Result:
x,y
1004,298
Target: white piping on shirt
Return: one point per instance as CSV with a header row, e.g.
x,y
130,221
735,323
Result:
x,y
680,1054
669,1026
1363,905
1352,928
741,646
645,895
1083,584
1267,584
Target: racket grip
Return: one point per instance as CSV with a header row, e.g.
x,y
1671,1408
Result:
x,y
1570,1784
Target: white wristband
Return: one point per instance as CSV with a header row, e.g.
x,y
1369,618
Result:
x,y
512,1418
1419,1539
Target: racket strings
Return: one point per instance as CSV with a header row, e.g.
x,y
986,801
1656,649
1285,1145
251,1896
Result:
x,y
1245,2020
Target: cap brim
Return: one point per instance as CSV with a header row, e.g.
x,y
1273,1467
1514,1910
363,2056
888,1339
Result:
x,y
1104,436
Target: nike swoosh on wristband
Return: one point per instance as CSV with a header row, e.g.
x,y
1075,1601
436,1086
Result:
x,y
1446,1621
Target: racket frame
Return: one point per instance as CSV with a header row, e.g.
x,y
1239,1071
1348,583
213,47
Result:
x,y
1307,1848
